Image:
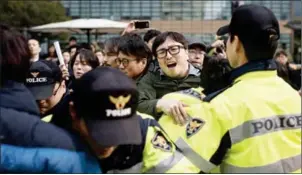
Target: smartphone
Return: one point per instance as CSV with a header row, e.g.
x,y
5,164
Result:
x,y
141,24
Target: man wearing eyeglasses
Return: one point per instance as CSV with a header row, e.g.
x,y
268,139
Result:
x,y
175,74
197,51
134,56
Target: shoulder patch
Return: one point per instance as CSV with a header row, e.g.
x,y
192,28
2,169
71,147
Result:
x,y
194,126
160,142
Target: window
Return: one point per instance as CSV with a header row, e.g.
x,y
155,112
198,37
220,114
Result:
x,y
146,8
85,9
297,8
75,8
96,9
105,9
125,11
135,9
156,10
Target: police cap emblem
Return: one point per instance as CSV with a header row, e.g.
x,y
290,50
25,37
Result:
x,y
194,126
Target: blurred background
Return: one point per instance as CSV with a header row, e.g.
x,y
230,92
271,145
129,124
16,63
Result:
x,y
193,18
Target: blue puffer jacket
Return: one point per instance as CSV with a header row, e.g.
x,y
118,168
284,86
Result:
x,y
45,160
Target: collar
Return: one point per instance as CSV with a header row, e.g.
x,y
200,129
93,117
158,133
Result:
x,y
34,59
192,71
251,66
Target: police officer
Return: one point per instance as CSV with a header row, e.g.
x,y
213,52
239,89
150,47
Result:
x,y
254,124
45,82
104,115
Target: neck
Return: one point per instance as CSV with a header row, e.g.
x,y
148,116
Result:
x,y
185,74
34,58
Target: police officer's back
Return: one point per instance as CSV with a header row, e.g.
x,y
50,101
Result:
x,y
254,124
260,114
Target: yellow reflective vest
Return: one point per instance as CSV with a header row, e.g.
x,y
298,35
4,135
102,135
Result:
x,y
260,118
252,126
196,139
159,154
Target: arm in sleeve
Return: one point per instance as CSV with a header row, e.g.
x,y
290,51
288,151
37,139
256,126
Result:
x,y
147,95
23,129
45,160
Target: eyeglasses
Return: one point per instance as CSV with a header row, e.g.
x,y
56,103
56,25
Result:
x,y
173,50
125,62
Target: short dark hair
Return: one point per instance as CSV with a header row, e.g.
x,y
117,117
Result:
x,y
85,46
151,34
281,52
214,74
14,55
134,45
112,44
173,35
65,50
34,38
72,38
86,55
101,45
72,47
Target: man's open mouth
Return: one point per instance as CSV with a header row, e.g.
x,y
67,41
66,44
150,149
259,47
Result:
x,y
172,65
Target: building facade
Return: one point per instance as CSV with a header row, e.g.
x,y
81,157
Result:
x,y
193,18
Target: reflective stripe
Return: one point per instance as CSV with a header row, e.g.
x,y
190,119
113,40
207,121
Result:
x,y
161,167
47,118
166,164
263,126
134,169
287,165
196,159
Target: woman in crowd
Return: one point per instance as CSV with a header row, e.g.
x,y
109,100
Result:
x,y
52,55
83,61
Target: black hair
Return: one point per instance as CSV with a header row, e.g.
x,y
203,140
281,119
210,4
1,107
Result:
x,y
86,55
14,55
85,46
261,47
72,47
65,50
214,74
34,38
133,44
289,75
101,45
173,35
281,52
55,53
151,34
72,38
112,44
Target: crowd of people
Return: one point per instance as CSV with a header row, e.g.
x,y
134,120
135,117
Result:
x,y
157,103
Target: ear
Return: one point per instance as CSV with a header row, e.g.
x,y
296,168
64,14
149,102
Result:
x,y
238,44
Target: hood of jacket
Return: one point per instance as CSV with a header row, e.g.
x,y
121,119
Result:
x,y
16,96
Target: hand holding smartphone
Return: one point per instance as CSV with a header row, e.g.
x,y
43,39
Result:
x,y
141,24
